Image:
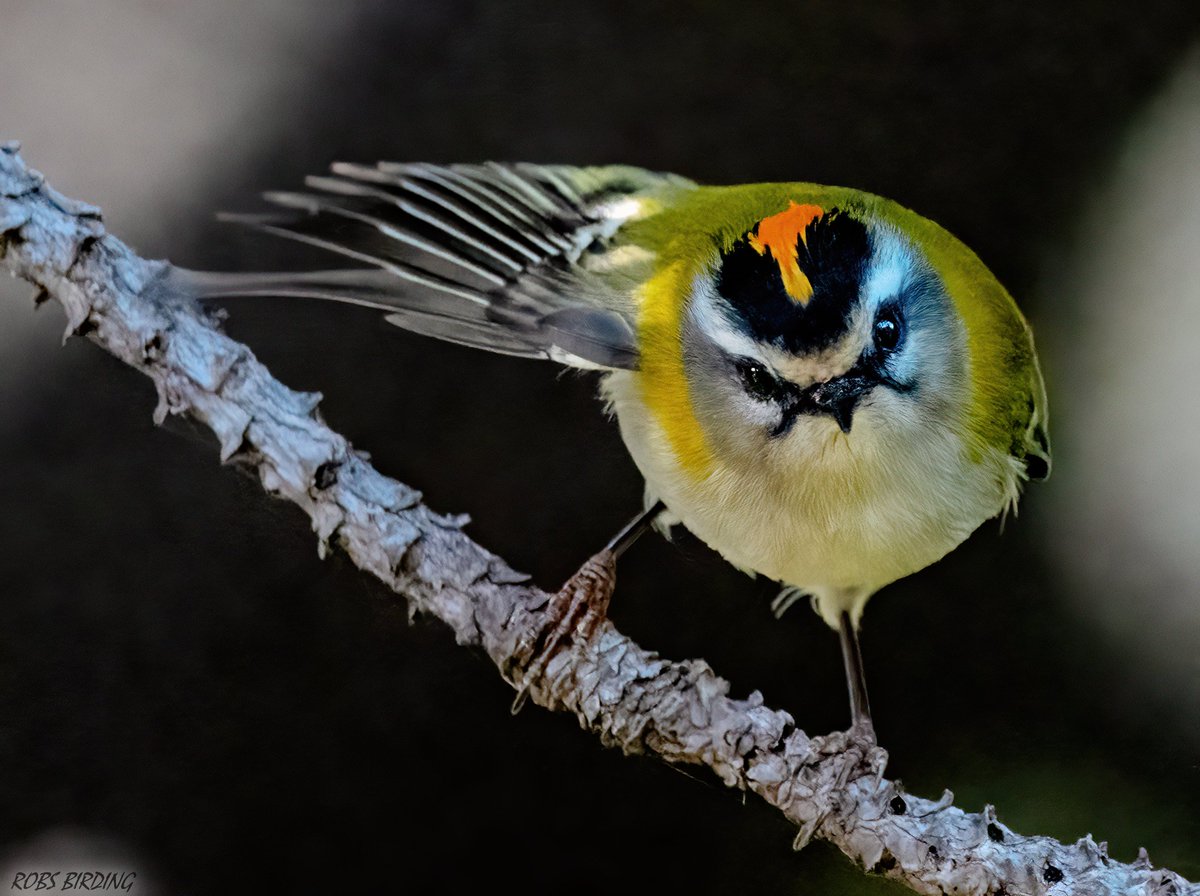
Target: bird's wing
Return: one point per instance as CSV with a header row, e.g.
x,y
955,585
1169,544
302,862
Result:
x,y
513,258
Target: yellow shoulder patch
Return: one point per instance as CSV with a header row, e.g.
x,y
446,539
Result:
x,y
661,372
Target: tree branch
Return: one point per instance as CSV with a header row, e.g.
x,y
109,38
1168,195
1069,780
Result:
x,y
831,786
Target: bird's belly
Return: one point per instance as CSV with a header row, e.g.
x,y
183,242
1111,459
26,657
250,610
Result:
x,y
839,521
813,538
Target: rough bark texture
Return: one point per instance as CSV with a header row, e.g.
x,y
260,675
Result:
x,y
831,786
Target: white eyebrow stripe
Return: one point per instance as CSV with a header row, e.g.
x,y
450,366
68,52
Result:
x,y
716,326
889,268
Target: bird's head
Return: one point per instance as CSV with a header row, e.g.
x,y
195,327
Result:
x,y
820,323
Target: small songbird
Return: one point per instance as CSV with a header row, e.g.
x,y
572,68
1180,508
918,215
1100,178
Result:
x,y
825,387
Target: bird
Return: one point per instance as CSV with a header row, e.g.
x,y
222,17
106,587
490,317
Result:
x,y
825,387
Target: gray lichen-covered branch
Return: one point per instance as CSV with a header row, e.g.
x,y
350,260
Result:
x,y
831,786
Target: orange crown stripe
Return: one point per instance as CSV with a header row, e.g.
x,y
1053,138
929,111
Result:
x,y
780,234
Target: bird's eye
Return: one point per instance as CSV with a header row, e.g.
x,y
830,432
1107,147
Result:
x,y
759,382
887,330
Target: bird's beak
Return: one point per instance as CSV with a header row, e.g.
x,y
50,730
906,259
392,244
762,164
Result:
x,y
837,397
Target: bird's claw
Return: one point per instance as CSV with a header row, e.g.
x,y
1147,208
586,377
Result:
x,y
571,616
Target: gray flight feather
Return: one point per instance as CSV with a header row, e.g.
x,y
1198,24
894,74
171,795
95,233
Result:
x,y
490,256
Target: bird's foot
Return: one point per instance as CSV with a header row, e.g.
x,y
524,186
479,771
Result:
x,y
572,615
863,729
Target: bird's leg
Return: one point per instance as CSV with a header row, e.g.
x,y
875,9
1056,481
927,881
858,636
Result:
x,y
581,604
860,707
623,540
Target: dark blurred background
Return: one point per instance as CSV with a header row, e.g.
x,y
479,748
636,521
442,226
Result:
x,y
187,691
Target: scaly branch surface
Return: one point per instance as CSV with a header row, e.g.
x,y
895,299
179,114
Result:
x,y
831,786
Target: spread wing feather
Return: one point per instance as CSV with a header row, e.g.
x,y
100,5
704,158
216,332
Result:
x,y
493,256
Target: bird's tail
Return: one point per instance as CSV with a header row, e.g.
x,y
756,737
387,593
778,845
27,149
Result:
x,y
455,316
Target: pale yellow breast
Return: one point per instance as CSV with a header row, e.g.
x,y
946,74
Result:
x,y
829,513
